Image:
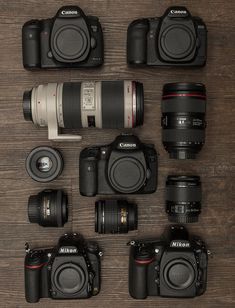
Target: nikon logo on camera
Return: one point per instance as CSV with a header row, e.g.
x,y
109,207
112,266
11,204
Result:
x,y
124,145
69,13
180,244
68,250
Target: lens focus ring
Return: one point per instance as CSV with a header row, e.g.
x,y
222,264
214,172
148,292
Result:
x,y
183,198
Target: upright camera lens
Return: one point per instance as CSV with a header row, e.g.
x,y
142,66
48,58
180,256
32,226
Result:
x,y
115,216
49,208
44,164
183,119
183,198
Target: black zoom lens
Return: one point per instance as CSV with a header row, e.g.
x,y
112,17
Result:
x,y
183,198
49,208
183,119
115,216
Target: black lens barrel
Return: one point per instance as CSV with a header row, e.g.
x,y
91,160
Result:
x,y
183,119
115,216
183,198
49,208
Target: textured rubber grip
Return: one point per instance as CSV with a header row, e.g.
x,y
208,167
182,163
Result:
x,y
137,42
32,287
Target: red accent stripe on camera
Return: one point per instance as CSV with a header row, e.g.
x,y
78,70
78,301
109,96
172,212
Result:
x,y
184,94
35,266
144,261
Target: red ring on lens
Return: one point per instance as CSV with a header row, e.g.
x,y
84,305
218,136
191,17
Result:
x,y
165,96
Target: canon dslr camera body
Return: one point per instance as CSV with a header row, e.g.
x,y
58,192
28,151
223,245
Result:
x,y
125,166
174,267
70,39
176,38
69,271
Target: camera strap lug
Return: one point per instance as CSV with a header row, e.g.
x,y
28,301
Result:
x,y
27,249
209,253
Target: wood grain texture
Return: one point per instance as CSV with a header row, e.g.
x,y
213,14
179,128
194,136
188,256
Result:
x,y
215,164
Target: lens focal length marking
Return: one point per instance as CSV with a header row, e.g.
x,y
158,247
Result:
x,y
88,96
192,120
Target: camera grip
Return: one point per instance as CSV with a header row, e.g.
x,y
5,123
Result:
x,y
137,41
88,176
31,44
137,278
32,283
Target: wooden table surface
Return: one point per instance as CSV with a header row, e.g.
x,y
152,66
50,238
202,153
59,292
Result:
x,y
215,163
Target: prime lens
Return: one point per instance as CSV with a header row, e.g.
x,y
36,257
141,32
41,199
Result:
x,y
183,119
44,164
115,216
183,198
49,208
101,104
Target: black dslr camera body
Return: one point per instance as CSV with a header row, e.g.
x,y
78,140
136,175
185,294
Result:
x,y
69,271
126,166
176,39
174,267
69,40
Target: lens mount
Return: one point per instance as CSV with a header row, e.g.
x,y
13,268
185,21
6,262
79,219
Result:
x,y
70,42
44,164
174,47
179,274
69,278
127,175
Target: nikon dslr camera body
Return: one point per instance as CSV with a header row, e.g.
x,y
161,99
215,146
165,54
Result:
x,y
69,271
70,39
173,267
176,39
125,166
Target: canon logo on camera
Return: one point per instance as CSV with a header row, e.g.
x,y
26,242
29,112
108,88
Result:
x,y
69,13
68,250
180,244
127,145
180,12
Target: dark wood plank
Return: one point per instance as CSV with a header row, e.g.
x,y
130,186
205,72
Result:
x,y
215,164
